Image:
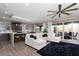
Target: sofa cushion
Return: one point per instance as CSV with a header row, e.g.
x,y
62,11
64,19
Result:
x,y
32,36
40,41
44,35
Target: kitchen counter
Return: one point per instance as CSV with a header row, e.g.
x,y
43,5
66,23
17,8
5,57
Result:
x,y
12,35
5,32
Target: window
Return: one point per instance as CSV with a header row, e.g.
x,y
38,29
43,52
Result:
x,y
68,30
76,30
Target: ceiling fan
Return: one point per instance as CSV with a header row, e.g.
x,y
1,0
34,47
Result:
x,y
63,11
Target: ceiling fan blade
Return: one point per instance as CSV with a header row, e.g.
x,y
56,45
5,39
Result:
x,y
59,15
65,13
59,6
52,11
71,10
53,16
69,6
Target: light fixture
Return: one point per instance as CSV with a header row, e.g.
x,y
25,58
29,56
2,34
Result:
x,y
37,27
26,4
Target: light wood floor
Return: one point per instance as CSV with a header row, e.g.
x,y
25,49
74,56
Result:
x,y
20,49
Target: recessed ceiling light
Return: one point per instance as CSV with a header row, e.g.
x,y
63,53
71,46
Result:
x,y
26,4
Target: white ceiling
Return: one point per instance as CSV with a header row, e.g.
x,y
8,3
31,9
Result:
x,y
34,12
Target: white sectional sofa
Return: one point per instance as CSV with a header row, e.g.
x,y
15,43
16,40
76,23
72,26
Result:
x,y
37,43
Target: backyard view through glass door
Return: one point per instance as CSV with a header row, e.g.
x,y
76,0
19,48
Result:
x,y
70,30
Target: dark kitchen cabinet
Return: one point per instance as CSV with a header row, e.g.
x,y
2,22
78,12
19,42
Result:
x,y
19,37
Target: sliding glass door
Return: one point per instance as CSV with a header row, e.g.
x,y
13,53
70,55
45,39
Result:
x,y
68,28
76,30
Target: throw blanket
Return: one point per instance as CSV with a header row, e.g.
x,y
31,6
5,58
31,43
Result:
x,y
59,49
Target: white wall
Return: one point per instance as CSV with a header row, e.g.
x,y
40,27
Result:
x,y
51,35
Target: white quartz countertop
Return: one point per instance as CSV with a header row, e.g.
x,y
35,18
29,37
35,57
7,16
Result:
x,y
5,32
18,33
